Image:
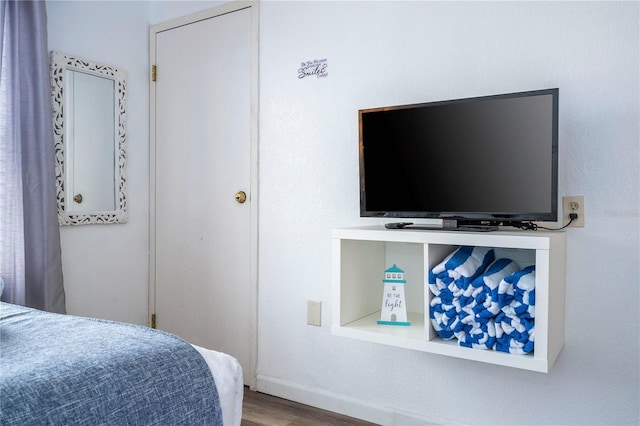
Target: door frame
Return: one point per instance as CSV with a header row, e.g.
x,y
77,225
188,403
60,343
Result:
x,y
250,377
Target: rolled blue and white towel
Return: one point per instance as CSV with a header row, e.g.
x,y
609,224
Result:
x,y
443,315
515,324
519,291
514,335
482,335
483,291
447,281
458,269
479,306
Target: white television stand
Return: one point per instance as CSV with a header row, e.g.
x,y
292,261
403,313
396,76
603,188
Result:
x,y
360,256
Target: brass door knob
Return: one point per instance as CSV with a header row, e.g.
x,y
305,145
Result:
x,y
241,197
77,198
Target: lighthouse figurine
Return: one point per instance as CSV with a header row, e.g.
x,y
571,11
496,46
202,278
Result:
x,y
394,308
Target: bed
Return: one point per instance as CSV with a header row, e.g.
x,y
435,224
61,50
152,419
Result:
x,y
63,369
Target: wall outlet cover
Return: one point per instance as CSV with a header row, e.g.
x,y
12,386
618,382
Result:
x,y
573,204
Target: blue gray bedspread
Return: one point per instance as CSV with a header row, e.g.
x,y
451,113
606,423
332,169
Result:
x,y
66,370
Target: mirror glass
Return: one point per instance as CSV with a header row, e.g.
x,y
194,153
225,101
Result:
x,y
89,129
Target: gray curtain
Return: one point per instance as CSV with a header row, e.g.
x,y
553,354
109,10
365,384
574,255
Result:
x,y
30,254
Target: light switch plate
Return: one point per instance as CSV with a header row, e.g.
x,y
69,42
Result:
x,y
314,312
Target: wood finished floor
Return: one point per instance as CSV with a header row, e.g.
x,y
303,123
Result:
x,y
260,409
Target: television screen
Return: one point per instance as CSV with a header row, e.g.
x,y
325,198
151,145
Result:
x,y
491,158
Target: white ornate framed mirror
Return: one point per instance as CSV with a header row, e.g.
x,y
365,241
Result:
x,y
89,117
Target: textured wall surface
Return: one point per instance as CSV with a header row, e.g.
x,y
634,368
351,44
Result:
x,y
389,53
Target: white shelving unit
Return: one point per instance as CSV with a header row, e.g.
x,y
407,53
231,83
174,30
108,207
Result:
x,y
360,256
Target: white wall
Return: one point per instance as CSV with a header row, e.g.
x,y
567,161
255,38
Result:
x,y
385,53
105,267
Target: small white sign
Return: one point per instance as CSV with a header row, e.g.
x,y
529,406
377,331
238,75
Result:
x,y
317,67
394,309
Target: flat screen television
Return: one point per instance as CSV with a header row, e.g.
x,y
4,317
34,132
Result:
x,y
482,161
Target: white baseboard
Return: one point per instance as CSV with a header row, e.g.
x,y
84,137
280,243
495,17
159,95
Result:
x,y
349,406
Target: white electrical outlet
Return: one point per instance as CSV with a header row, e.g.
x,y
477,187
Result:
x,y
314,312
573,204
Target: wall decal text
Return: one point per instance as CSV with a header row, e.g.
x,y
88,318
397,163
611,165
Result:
x,y
317,67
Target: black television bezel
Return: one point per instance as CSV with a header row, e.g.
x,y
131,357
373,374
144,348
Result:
x,y
471,218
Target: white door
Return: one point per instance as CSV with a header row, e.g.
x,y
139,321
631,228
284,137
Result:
x,y
203,285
